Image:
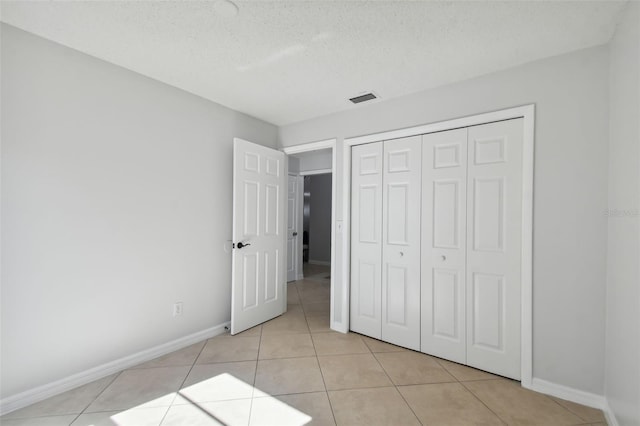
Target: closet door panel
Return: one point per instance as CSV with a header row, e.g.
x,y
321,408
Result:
x,y
401,242
366,239
443,260
494,224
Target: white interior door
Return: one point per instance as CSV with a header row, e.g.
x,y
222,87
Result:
x,y
292,222
258,259
366,239
444,213
401,242
494,226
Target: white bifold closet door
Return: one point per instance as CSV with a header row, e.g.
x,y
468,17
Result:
x,y
366,239
385,241
494,247
436,244
471,243
401,242
444,243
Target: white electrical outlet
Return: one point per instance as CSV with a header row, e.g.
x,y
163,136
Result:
x,y
177,309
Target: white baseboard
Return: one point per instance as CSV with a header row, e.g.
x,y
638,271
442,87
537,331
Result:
x,y
31,396
574,395
319,262
300,276
609,416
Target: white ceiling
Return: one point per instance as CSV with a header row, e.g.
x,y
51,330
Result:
x,y
287,61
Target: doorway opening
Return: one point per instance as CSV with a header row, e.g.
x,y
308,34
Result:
x,y
311,232
316,226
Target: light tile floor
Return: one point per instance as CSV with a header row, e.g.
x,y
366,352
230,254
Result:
x,y
294,370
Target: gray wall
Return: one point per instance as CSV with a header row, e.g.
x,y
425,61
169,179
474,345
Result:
x,y
116,203
623,274
294,164
570,192
315,160
320,217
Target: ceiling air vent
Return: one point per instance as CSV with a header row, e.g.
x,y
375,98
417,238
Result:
x,y
363,98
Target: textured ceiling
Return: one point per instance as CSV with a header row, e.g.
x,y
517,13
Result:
x,y
287,61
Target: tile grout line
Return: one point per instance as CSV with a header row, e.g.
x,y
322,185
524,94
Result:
x,y
436,359
436,383
368,387
324,383
298,295
255,374
575,414
461,383
464,382
21,419
395,386
482,402
304,313
97,396
193,364
408,405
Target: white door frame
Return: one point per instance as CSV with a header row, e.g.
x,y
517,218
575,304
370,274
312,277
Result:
x,y
316,172
527,112
296,244
315,146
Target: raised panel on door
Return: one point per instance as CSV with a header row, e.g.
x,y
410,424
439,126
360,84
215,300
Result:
x,y
272,200
401,242
250,280
366,239
443,257
291,259
494,224
292,220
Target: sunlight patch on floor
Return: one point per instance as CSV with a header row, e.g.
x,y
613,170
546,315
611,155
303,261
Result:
x,y
221,400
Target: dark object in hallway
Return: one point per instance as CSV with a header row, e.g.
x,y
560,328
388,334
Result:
x,y
305,246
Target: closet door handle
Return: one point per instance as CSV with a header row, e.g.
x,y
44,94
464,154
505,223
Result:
x,y
401,253
444,257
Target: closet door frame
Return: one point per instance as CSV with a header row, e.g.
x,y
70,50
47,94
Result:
x,y
527,113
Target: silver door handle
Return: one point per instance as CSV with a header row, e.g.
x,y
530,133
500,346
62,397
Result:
x,y
295,233
444,257
401,253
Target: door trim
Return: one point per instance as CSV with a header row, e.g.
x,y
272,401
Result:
x,y
298,195
316,172
335,323
527,112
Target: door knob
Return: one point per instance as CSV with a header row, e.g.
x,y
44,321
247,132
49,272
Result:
x,y
295,234
241,244
444,257
401,253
